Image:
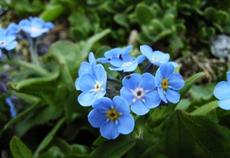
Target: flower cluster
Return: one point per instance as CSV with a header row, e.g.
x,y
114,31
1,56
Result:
x,y
137,93
32,27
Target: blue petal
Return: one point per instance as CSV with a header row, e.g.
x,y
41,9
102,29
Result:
x,y
131,67
126,124
113,53
161,93
10,38
49,25
152,100
166,70
10,103
140,59
159,58
147,81
100,73
11,45
172,96
87,98
85,67
103,60
158,77
121,105
116,68
131,81
176,81
224,104
109,130
146,51
127,49
92,58
103,104
86,82
116,62
36,34
24,24
96,118
139,108
127,95
222,90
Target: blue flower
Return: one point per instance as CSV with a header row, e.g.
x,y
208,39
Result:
x,y
140,92
168,83
35,27
7,41
120,60
155,57
91,81
222,92
12,29
11,105
112,117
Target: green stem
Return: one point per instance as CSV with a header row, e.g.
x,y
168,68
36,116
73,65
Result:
x,y
33,52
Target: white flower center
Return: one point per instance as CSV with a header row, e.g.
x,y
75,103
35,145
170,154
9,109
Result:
x,y
35,29
127,64
97,87
138,94
154,59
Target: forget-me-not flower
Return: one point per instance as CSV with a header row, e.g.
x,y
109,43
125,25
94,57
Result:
x,y
121,60
7,41
91,81
155,57
168,83
35,27
112,117
140,92
222,92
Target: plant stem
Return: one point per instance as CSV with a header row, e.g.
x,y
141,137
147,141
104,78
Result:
x,y
33,51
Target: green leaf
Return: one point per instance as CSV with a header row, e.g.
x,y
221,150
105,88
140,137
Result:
x,y
194,136
144,13
183,104
121,19
114,149
35,81
48,138
19,149
190,81
52,12
202,92
205,109
91,41
68,57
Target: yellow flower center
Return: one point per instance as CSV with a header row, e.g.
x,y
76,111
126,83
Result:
x,y
112,114
165,84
